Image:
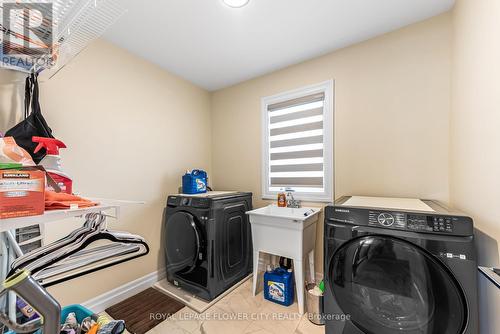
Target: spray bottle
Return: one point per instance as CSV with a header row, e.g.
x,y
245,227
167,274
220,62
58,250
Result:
x,y
52,162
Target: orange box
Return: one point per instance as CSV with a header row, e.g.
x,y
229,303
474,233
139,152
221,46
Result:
x,y
22,192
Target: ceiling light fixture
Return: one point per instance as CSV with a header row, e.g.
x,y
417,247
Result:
x,y
236,3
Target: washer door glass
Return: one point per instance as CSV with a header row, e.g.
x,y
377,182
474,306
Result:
x,y
182,242
388,285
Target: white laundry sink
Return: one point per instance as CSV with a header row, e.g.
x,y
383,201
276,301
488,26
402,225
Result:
x,y
294,218
288,232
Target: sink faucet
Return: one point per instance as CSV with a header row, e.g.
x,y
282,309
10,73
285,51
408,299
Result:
x,y
291,202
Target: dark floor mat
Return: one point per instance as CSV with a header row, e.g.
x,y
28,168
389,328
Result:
x,y
145,310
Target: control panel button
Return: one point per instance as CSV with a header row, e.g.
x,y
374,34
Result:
x,y
385,219
171,200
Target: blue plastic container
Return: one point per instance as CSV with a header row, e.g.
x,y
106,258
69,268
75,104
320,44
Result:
x,y
194,182
80,312
279,287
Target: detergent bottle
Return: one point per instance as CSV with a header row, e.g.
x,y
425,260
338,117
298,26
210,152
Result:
x,y
52,162
195,182
278,286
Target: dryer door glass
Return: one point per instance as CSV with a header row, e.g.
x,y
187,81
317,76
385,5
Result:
x,y
388,285
182,242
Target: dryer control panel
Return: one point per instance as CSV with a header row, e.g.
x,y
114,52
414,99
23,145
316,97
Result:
x,y
194,202
430,223
413,222
420,222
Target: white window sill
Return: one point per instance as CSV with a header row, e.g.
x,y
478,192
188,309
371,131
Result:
x,y
298,197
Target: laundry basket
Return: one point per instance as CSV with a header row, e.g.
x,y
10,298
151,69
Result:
x,y
314,306
80,311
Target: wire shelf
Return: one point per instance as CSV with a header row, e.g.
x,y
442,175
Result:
x,y
58,32
9,224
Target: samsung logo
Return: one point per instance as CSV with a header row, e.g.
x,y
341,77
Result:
x,y
342,210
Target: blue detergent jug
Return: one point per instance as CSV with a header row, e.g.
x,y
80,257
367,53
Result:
x,y
194,182
279,287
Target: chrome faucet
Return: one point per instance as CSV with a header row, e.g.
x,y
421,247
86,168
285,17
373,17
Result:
x,y
291,202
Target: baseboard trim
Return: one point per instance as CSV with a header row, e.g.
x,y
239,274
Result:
x,y
100,303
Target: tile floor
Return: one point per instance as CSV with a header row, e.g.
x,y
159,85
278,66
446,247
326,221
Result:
x,y
240,313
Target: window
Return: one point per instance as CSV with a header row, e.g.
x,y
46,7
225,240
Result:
x,y
298,143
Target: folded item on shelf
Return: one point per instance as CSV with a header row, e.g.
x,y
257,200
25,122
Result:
x,y
61,201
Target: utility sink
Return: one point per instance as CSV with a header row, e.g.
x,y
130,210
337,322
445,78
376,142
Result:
x,y
288,232
274,215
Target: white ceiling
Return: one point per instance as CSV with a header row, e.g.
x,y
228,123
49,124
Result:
x,y
215,46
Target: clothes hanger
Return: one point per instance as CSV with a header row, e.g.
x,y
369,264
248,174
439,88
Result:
x,y
87,256
60,258
80,265
93,261
70,248
122,243
57,244
63,253
91,222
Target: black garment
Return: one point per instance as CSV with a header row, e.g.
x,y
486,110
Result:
x,y
33,124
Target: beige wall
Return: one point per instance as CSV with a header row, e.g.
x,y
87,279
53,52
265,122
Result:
x,y
392,103
475,134
132,130
475,117
11,98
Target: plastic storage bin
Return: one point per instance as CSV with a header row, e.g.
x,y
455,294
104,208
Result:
x,y
80,312
279,287
194,182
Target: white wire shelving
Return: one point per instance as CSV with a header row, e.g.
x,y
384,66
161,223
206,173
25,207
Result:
x,y
61,30
105,205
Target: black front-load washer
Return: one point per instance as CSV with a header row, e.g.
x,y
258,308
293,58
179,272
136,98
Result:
x,y
409,270
207,242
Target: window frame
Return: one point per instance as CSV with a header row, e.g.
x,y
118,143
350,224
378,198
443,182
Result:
x,y
326,87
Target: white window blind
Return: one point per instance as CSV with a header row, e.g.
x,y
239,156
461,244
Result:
x,y
298,143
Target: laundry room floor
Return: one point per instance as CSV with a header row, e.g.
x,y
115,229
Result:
x,y
240,313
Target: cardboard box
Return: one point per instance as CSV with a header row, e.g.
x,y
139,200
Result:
x,y
22,192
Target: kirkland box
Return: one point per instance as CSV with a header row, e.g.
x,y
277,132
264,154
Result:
x,y
22,193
